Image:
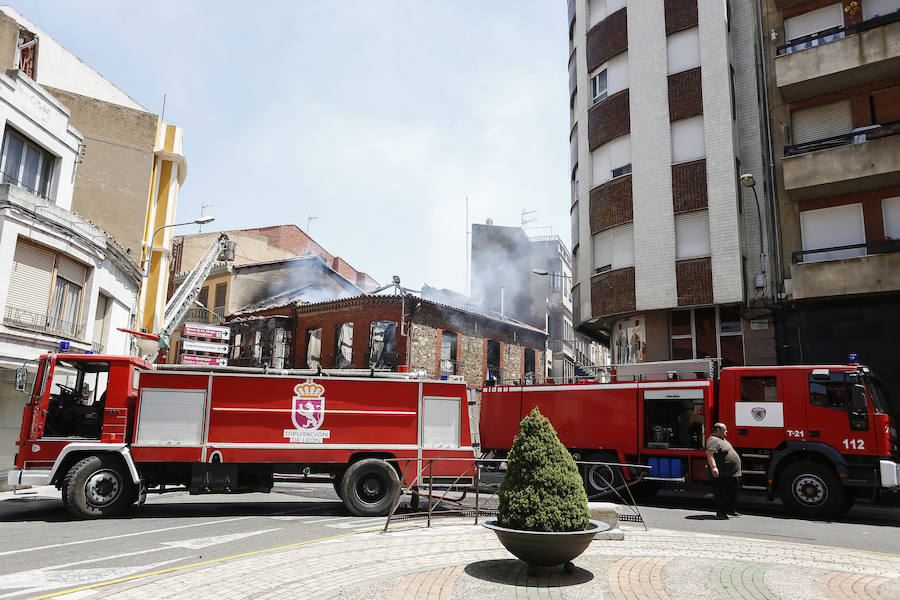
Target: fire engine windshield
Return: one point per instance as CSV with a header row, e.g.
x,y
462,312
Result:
x,y
876,394
77,399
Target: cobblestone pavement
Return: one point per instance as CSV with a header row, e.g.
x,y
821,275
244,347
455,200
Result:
x,y
455,561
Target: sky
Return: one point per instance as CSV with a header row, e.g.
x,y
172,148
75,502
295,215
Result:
x,y
377,117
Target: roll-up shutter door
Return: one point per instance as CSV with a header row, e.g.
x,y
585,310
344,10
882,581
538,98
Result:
x,y
602,250
820,122
832,227
692,234
29,282
623,246
70,270
891,212
814,21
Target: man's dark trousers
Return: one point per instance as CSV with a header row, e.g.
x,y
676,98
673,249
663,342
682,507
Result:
x,y
725,492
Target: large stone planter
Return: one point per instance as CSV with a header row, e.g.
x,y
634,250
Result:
x,y
546,548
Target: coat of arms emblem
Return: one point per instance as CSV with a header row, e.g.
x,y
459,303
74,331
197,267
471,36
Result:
x,y
759,413
309,405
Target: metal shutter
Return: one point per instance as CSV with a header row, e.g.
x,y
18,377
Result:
x,y
623,246
692,234
29,282
891,211
820,122
70,270
831,227
603,249
814,21
879,7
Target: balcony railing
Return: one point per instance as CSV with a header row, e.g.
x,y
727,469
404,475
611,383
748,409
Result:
x,y
880,246
4,178
16,317
835,33
854,137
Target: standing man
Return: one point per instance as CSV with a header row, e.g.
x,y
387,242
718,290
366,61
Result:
x,y
725,465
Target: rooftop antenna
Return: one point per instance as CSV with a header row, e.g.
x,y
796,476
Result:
x,y
162,117
203,208
309,219
526,219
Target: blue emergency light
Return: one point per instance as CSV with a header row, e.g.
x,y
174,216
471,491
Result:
x,y
853,357
64,346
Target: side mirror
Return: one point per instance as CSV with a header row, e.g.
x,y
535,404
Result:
x,y
21,379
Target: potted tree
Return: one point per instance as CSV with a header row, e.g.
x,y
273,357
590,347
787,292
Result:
x,y
543,517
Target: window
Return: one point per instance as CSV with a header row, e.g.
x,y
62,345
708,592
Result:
x,y
821,122
26,56
611,160
65,305
493,359
203,296
890,209
715,332
733,99
812,22
692,234
614,248
598,87
101,323
873,8
77,401
833,393
574,217
573,149
530,367
449,364
832,227
759,389
383,344
683,50
343,346
440,422
26,164
687,140
219,306
886,105
313,348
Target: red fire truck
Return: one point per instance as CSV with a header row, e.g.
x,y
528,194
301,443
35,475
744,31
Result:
x,y
818,436
105,429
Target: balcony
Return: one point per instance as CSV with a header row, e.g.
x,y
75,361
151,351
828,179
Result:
x,y
563,347
16,317
854,162
866,274
839,58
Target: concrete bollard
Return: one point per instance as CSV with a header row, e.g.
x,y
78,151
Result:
x,y
605,512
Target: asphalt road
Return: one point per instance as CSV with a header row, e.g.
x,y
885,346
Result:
x,y
44,550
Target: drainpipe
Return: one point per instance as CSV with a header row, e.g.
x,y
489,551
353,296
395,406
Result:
x,y
771,196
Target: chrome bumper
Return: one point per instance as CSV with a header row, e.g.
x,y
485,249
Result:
x,y
19,478
890,473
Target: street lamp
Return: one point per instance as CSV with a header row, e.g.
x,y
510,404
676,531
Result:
x,y
210,311
747,180
197,221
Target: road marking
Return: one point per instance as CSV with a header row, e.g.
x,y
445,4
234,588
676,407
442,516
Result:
x,y
206,562
325,520
198,543
123,535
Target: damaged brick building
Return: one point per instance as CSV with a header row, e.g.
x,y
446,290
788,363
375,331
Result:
x,y
395,332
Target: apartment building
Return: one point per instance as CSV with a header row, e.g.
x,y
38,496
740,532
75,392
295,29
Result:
x,y
64,283
130,162
670,252
833,90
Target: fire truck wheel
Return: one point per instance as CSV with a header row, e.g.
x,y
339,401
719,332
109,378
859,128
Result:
x,y
601,479
812,489
369,487
338,483
97,486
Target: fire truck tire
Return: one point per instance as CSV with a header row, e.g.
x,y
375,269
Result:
x,y
369,487
601,479
812,489
338,483
98,486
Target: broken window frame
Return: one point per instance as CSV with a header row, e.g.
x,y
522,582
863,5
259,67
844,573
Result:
x,y
449,365
314,350
382,344
491,369
343,346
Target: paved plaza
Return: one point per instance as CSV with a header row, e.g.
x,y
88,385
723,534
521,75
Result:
x,y
456,560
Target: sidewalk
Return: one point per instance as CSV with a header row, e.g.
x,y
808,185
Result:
x,y
456,561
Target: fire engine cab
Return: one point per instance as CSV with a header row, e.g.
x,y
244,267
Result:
x,y
107,429
817,436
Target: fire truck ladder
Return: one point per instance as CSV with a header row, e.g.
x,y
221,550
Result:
x,y
222,249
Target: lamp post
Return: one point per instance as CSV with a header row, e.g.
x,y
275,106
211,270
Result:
x,y
210,311
146,262
747,180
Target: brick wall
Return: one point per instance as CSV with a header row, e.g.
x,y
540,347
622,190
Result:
x,y
611,203
292,239
689,186
685,95
608,119
607,38
859,97
680,14
612,292
694,280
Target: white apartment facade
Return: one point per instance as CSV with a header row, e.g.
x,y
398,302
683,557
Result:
x,y
670,251
62,279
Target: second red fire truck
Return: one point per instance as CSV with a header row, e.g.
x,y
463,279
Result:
x,y
817,436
